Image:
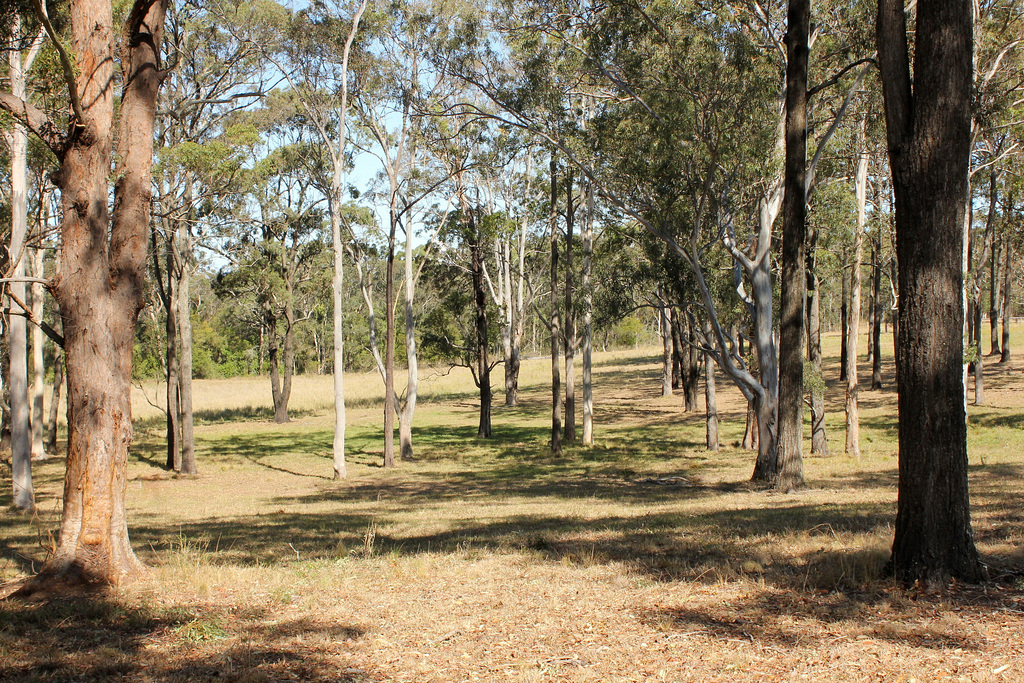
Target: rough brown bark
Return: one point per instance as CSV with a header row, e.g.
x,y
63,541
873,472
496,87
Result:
x,y
844,323
710,398
100,286
789,472
928,125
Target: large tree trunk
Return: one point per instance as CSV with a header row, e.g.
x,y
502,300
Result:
x,y
569,338
853,330
100,286
337,328
789,474
274,363
556,331
928,125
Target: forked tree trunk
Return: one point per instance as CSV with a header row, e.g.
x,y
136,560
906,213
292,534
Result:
x,y
100,286
928,124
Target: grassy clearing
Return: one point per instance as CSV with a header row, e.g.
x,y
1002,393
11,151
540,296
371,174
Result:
x,y
643,558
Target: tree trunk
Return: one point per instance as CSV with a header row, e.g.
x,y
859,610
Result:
x,y
979,268
789,474
58,381
928,125
710,400
483,367
993,298
1007,303
819,441
691,357
750,431
411,359
21,437
677,355
667,347
38,447
338,335
169,296
273,361
100,287
853,330
183,303
588,320
570,316
844,323
508,343
556,383
389,344
876,321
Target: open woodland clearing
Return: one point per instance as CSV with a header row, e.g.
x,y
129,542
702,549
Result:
x,y
643,558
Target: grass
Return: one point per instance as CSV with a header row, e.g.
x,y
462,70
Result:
x,y
642,558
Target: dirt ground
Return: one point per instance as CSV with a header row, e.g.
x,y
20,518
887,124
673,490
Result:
x,y
645,558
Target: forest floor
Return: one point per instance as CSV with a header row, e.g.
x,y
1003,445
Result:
x,y
644,558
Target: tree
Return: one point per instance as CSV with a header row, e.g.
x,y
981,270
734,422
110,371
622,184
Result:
x,y
103,267
17,142
928,129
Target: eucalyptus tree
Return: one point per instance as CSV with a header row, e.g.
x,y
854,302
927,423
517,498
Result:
x,y
199,153
399,90
103,259
311,49
928,130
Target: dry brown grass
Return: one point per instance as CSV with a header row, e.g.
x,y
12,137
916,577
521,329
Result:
x,y
642,559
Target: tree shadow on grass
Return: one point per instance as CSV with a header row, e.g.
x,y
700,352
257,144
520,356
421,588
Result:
x,y
100,638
